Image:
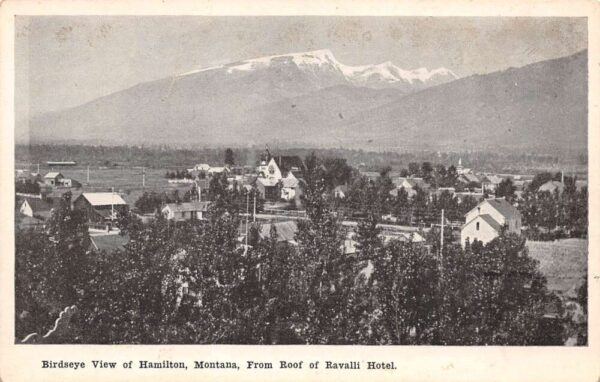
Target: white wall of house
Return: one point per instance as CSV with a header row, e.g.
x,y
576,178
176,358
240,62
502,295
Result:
x,y
169,214
478,229
484,208
288,193
273,170
26,209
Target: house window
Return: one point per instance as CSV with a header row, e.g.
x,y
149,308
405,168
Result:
x,y
478,210
477,226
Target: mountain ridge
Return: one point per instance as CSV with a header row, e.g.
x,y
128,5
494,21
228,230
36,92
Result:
x,y
283,102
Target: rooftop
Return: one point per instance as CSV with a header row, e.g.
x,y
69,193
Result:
x,y
104,198
189,206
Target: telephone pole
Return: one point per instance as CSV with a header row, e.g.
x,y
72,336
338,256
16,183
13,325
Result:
x,y
442,244
88,174
247,213
254,210
112,203
143,177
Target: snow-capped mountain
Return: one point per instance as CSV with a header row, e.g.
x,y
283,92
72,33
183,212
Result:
x,y
311,98
322,63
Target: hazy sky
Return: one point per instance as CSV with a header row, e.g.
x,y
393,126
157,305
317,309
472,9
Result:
x,y
66,61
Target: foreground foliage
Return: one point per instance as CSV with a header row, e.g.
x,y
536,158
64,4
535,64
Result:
x,y
193,282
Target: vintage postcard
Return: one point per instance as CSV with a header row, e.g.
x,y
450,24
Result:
x,y
299,191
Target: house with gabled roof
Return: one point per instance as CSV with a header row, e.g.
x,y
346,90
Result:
x,y
410,185
490,183
551,186
100,207
53,178
487,220
194,210
40,208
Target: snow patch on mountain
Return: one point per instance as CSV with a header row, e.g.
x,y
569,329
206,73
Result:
x,y
385,72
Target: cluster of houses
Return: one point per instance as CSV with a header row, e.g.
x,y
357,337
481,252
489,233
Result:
x,y
279,178
52,180
276,178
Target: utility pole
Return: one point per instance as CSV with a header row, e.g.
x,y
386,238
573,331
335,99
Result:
x,y
38,168
247,213
112,203
88,174
442,243
254,210
143,177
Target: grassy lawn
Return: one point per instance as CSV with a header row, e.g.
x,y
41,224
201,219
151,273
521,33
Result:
x,y
563,262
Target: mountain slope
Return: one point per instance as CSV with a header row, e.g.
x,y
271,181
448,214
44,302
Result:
x,y
312,99
229,103
542,105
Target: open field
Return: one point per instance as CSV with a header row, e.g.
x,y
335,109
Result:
x,y
563,262
126,181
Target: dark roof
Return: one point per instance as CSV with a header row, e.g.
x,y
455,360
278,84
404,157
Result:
x,y
109,243
488,219
470,177
40,205
504,207
286,231
491,221
289,162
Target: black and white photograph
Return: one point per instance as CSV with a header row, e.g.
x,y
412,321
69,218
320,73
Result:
x,y
300,180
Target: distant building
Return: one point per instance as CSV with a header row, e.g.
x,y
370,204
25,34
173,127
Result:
x,y
194,210
38,207
410,185
449,190
270,170
218,170
490,182
551,186
460,170
340,192
100,207
61,163
202,167
468,178
53,178
268,188
56,179
289,184
486,221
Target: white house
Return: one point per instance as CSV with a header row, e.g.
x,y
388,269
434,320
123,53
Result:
x,y
486,221
194,210
202,167
218,170
288,187
340,191
551,186
53,178
271,170
34,207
